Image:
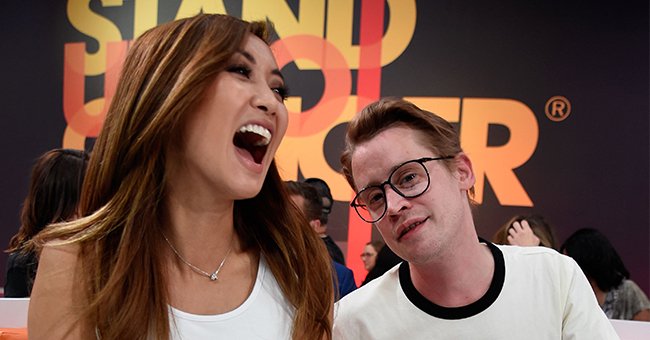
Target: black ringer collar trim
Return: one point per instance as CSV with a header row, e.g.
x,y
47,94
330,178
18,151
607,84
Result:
x,y
455,313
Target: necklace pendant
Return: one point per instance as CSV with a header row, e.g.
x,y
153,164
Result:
x,y
214,277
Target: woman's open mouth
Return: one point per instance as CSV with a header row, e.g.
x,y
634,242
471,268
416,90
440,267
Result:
x,y
254,139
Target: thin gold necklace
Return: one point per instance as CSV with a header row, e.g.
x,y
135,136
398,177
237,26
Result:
x,y
213,277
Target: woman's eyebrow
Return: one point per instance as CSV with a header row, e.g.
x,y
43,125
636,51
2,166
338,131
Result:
x,y
253,61
248,56
277,73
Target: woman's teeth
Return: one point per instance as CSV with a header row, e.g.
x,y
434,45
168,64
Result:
x,y
259,130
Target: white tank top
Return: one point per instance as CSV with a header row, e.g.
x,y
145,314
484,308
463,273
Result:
x,y
264,315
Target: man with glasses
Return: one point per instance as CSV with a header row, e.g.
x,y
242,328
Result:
x,y
415,184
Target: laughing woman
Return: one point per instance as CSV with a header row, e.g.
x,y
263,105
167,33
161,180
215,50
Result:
x,y
187,229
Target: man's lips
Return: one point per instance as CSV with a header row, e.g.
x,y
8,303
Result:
x,y
410,227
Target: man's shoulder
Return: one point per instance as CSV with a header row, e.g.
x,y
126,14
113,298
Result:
x,y
526,250
542,261
372,293
528,254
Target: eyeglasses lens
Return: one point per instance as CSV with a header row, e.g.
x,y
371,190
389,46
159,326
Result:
x,y
409,180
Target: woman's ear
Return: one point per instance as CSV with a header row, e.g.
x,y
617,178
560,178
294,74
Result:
x,y
464,171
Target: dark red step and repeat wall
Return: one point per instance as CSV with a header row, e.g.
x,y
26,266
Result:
x,y
550,98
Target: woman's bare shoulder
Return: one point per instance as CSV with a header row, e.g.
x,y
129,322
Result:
x,y
61,248
56,301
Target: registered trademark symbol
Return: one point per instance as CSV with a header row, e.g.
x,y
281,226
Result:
x,y
557,108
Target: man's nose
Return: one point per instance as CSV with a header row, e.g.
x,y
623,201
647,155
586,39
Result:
x,y
395,202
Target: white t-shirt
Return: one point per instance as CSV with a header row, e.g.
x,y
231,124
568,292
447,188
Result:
x,y
264,315
536,293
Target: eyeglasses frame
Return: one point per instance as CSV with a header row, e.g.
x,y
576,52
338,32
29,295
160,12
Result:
x,y
382,185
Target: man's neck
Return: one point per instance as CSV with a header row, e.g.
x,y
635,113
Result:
x,y
458,279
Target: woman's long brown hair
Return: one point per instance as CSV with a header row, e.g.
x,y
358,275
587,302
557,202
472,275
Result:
x,y
164,76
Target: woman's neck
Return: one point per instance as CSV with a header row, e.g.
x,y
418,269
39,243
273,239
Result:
x,y
195,228
600,295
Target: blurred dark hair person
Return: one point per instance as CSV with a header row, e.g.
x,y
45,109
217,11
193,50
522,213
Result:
x,y
53,196
618,296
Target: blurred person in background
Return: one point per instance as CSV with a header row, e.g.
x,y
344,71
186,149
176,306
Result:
x,y
526,230
618,296
306,198
324,191
369,255
53,196
384,261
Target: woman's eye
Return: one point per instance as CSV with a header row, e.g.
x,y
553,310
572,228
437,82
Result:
x,y
282,92
241,69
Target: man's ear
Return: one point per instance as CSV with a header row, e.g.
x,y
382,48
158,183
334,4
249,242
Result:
x,y
464,171
315,224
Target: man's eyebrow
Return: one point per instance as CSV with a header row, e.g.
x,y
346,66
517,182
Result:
x,y
252,60
376,183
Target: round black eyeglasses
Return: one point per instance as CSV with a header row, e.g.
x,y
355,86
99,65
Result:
x,y
409,180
